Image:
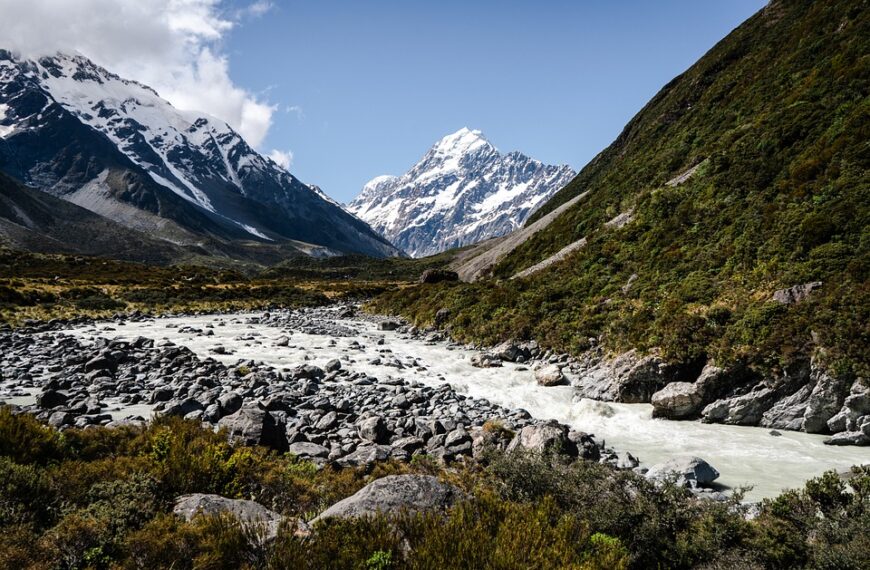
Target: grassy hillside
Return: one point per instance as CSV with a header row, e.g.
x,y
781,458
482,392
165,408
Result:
x,y
776,117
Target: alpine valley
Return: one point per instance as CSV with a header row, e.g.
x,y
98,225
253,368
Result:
x,y
660,361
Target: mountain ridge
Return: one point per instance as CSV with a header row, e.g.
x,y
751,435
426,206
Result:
x,y
67,122
462,191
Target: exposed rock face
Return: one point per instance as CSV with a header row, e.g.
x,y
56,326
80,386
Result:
x,y
795,294
747,409
788,413
855,407
394,494
825,400
690,471
628,378
246,512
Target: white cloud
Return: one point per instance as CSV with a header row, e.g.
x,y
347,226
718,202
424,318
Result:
x,y
257,9
284,159
300,113
173,46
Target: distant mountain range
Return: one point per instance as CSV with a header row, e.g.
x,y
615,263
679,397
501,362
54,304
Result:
x,y
462,191
112,146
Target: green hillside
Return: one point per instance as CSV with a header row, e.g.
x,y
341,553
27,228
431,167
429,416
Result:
x,y
776,118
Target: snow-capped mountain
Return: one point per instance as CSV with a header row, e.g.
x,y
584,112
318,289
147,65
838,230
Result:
x,y
114,146
461,192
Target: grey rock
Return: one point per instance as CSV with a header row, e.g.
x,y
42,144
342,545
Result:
x,y
51,399
374,429
58,420
366,456
333,365
246,512
485,360
678,401
254,426
544,437
689,471
825,400
628,378
327,422
857,404
307,450
395,494
438,275
795,294
230,402
747,409
550,375
389,325
788,413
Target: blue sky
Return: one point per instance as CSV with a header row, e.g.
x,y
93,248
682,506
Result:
x,y
365,87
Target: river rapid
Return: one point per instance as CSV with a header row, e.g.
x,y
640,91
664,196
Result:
x,y
745,456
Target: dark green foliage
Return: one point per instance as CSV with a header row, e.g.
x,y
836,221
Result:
x,y
777,118
101,498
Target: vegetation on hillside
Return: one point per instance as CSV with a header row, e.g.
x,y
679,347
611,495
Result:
x,y
35,286
102,498
776,118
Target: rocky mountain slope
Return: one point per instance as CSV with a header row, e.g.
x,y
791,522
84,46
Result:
x,y
75,130
31,220
717,250
461,192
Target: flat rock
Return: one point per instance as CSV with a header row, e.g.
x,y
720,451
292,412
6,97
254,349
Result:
x,y
394,494
246,512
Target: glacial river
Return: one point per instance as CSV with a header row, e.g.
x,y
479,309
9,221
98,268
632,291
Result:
x,y
745,456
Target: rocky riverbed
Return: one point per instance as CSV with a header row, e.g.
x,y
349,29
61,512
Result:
x,y
337,386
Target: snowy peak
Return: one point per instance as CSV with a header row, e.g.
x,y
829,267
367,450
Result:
x,y
464,141
462,191
66,106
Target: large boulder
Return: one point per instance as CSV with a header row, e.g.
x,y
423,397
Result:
x,y
252,425
689,471
677,401
51,399
374,429
389,325
395,494
246,512
485,360
550,436
438,275
512,350
550,375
